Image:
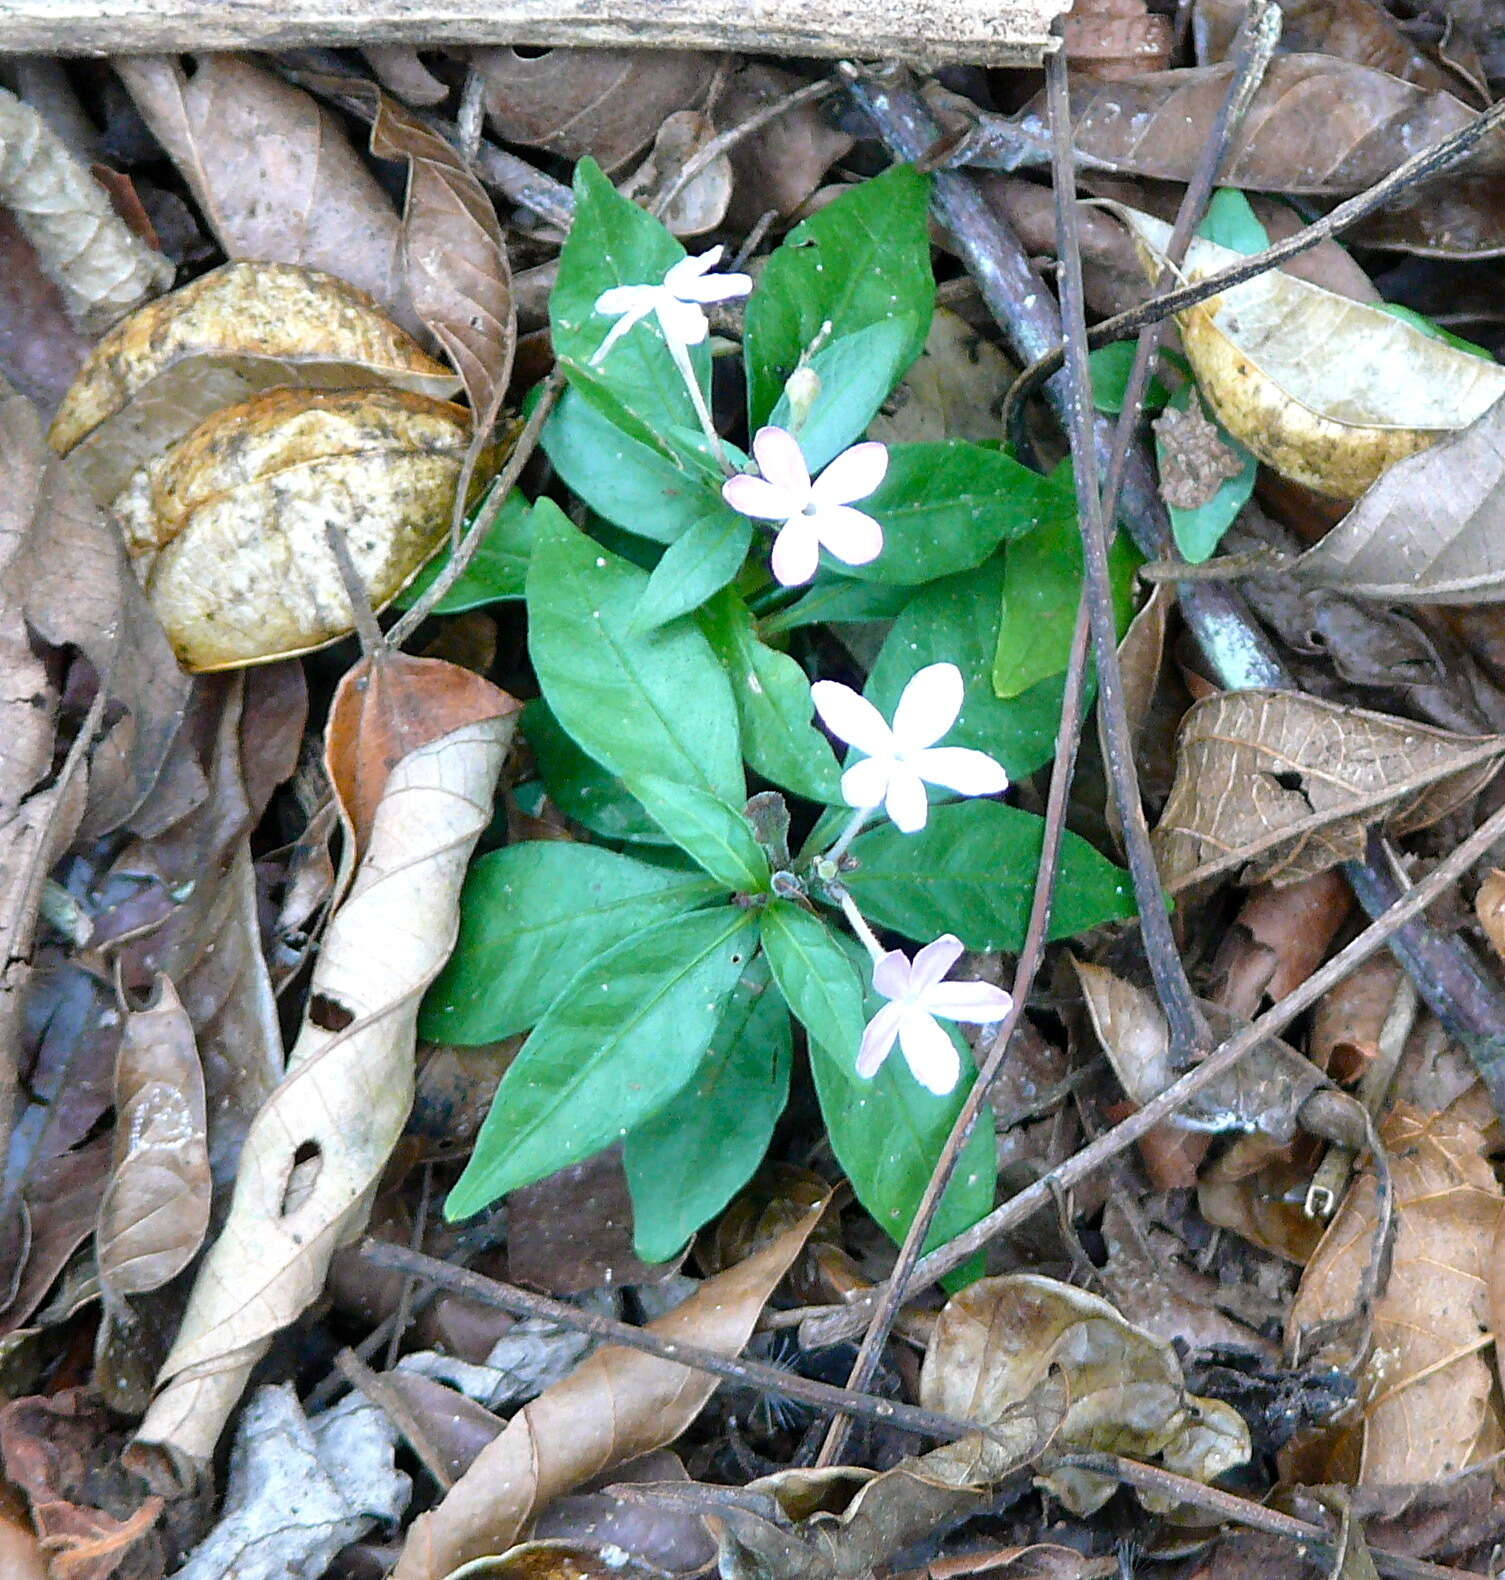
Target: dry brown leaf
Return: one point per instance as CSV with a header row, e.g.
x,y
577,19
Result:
x,y
1112,39
102,267
1000,1338
317,1148
41,349
608,103
1426,1386
401,71
702,205
1429,530
616,1405
1194,460
953,390
1282,785
780,165
1489,906
238,330
21,1554
228,527
273,172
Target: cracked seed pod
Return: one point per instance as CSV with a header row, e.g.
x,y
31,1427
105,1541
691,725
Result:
x,y
227,529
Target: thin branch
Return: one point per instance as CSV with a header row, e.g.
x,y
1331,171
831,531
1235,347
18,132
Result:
x,y
752,1374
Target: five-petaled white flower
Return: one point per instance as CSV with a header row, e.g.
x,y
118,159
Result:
x,y
917,992
817,514
899,762
676,301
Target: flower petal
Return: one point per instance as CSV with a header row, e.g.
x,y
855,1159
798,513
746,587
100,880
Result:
x,y
781,461
618,299
681,321
906,802
854,474
755,496
891,974
849,534
689,270
961,769
933,962
865,783
929,1052
850,717
878,1040
796,553
977,1003
716,288
929,706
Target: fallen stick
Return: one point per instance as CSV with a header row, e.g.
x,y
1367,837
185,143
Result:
x,y
984,32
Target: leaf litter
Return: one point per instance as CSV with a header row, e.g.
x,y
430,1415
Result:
x,y
227,894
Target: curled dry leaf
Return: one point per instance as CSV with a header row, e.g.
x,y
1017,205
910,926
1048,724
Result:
x,y
701,206
1000,1339
1429,530
1282,786
1427,1399
616,1405
227,528
317,1148
1328,391
99,263
156,1207
1489,906
238,330
781,164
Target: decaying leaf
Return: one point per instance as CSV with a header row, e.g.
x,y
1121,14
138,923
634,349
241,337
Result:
x,y
156,1206
702,205
317,1148
953,390
1111,39
1328,391
1281,785
999,1340
1194,461
1489,906
1428,531
618,1404
240,329
1427,1406
780,165
41,348
227,528
102,267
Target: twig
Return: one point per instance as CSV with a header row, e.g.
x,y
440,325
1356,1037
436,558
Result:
x,y
845,1320
361,614
752,1374
1189,1035
895,1291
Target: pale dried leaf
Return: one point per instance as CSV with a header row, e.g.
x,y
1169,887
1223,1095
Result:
x,y
702,205
999,1340
317,1149
228,527
1281,785
100,264
273,172
1328,391
615,1406
156,1207
1194,460
953,390
41,348
1427,1407
240,329
1489,906
1429,530
400,70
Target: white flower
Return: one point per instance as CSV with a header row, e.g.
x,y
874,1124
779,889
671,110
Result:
x,y
899,762
814,515
917,993
676,301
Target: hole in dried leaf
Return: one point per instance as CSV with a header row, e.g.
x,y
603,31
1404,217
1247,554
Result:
x,y
329,1014
307,1161
1288,780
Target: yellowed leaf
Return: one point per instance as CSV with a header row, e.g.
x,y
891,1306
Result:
x,y
228,527
1328,391
1489,906
617,1404
317,1148
238,330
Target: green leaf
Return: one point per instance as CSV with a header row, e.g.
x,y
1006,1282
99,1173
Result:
x,y
626,1034
1434,331
856,374
862,260
695,567
580,787
957,621
1199,531
715,834
640,703
657,491
533,915
945,507
498,570
1231,222
614,242
773,703
971,871
1042,585
1109,368
835,600
688,1161
819,982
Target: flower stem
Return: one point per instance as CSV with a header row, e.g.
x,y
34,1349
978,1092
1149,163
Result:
x,y
848,834
681,355
858,922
